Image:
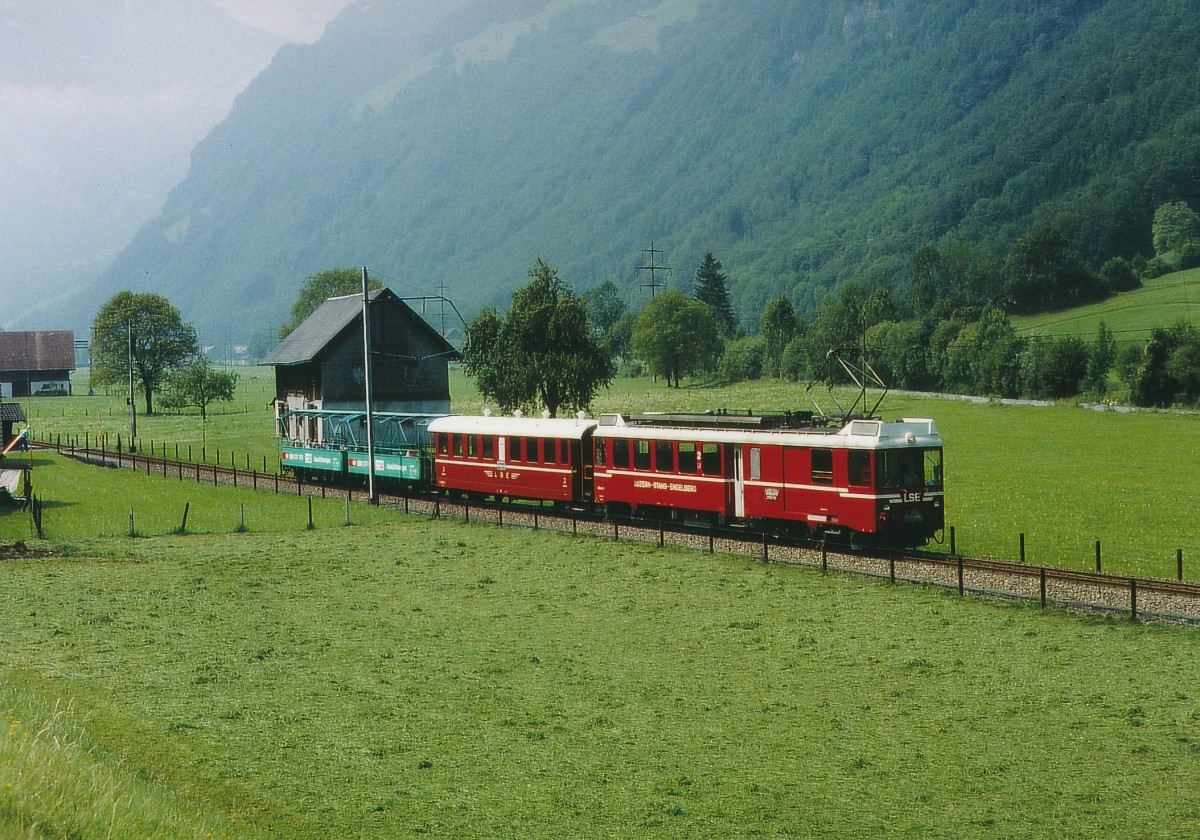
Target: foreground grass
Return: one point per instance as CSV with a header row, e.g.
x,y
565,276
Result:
x,y
435,678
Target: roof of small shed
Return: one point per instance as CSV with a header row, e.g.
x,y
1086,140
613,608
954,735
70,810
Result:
x,y
315,333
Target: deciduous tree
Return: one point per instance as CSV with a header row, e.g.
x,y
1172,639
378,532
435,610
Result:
x,y
676,336
317,288
146,328
542,352
198,384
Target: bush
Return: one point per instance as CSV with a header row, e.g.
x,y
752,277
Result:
x,y
743,359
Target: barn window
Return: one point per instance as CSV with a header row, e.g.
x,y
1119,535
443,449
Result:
x,y
664,456
822,466
859,463
489,447
620,453
687,457
458,445
755,463
710,459
641,455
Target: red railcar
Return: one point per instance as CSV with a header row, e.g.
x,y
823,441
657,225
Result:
x,y
879,479
518,457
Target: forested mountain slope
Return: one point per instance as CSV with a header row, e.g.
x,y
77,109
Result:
x,y
802,142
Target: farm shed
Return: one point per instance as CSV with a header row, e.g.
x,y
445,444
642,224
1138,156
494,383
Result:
x,y
10,415
319,366
36,363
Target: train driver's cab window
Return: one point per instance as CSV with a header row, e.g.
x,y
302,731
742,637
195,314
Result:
x,y
687,458
859,464
822,466
641,455
443,444
664,456
620,454
710,458
933,468
458,445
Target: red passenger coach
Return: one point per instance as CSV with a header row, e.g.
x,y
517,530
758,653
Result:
x,y
870,477
518,457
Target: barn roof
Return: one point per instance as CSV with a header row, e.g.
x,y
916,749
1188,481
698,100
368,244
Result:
x,y
11,413
306,342
40,350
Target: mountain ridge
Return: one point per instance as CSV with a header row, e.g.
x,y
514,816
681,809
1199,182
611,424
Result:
x,y
803,144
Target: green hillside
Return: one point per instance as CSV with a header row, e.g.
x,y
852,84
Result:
x,y
1162,302
803,143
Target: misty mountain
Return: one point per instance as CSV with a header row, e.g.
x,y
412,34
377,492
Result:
x,y
101,103
803,143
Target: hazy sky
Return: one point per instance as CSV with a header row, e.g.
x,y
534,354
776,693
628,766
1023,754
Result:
x,y
101,103
296,20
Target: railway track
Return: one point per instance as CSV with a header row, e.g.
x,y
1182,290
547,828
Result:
x,y
1144,599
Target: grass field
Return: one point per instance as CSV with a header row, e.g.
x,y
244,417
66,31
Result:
x,y
401,677
1162,302
414,678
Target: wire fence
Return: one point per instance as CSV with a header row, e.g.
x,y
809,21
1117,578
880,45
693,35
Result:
x,y
1140,598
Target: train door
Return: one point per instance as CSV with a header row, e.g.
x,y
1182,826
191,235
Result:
x,y
739,484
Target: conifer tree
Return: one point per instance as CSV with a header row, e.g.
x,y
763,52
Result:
x,y
710,288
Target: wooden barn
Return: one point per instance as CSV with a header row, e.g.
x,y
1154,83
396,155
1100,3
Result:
x,y
319,366
36,363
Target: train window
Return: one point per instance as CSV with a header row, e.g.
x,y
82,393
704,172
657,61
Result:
x,y
859,463
443,444
620,454
489,447
687,457
641,455
601,453
755,463
664,456
564,452
458,445
933,468
710,459
887,468
822,466
514,449
531,450
472,446
549,447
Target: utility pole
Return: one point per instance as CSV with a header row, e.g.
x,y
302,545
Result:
x,y
366,313
652,267
132,403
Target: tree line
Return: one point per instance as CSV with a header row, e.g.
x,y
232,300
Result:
x,y
947,328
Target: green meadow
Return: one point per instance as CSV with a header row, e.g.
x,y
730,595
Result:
x,y
1162,302
414,678
384,676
